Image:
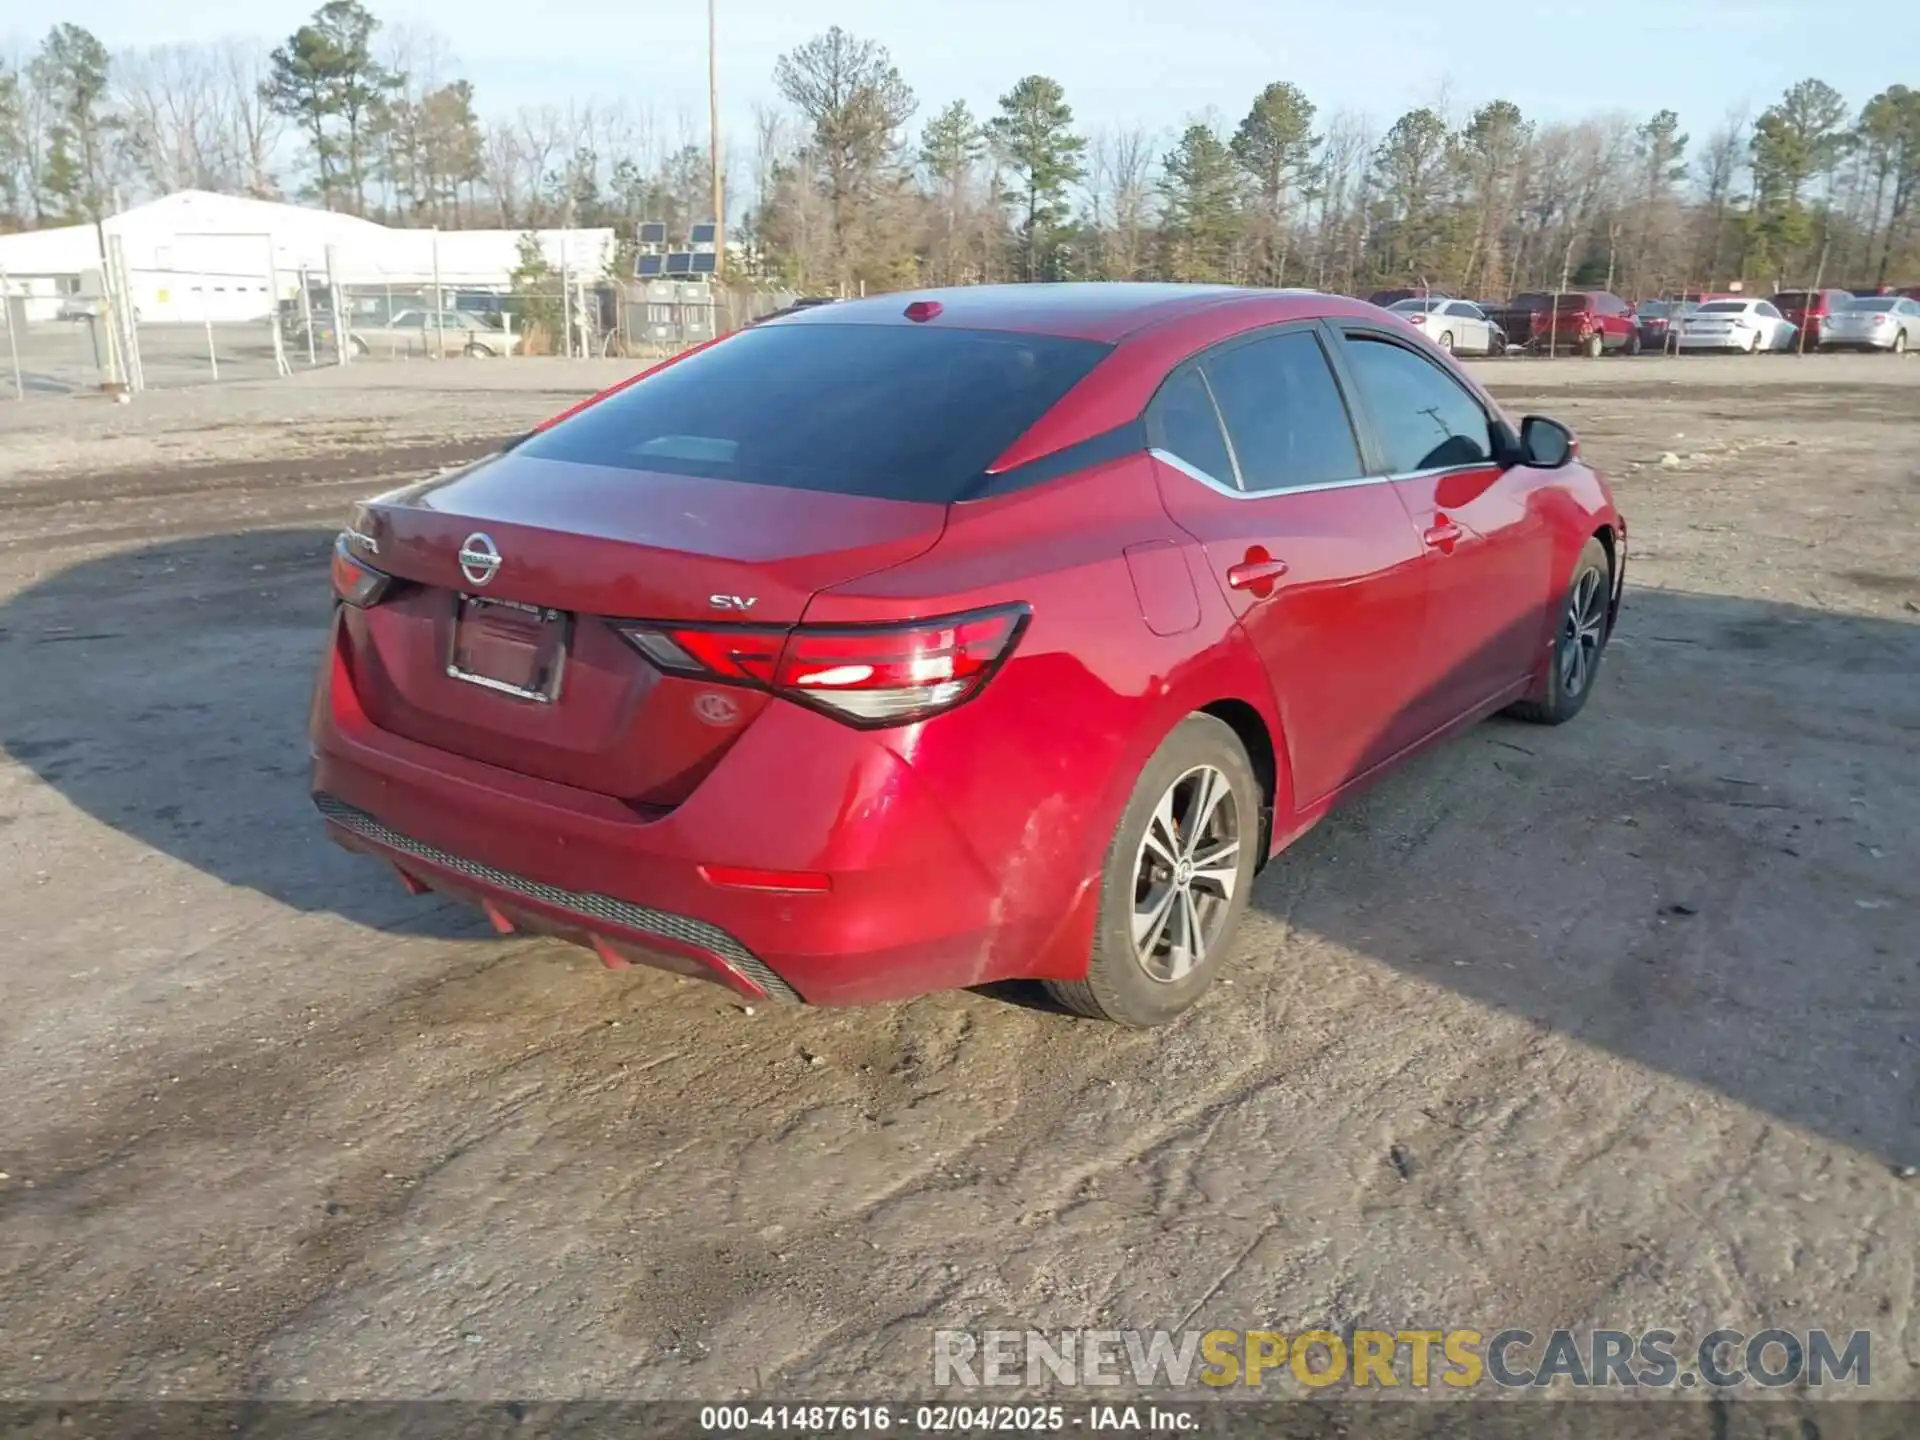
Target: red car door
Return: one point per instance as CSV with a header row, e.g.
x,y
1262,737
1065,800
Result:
x,y
1259,461
1487,544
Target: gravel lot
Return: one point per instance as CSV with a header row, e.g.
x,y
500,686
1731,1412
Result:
x,y
1612,1025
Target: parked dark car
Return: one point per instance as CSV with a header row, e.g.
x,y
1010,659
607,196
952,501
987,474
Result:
x,y
1656,320
1809,310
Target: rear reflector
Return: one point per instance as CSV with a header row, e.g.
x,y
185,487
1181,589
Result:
x,y
741,877
863,675
355,581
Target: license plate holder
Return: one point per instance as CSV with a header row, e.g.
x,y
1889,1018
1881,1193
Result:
x,y
509,648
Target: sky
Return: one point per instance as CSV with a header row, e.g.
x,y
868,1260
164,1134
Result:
x,y
1127,62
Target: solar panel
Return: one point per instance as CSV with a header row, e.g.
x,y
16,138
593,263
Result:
x,y
645,266
702,235
704,264
653,232
679,262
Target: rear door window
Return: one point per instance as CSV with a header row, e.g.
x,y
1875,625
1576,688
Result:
x,y
1424,418
1284,413
891,411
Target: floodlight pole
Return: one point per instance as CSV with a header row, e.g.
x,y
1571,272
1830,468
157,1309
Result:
x,y
713,141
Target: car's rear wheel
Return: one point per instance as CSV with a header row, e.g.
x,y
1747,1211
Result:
x,y
1595,347
1446,341
1900,342
360,346
1633,342
1578,643
1175,882
477,351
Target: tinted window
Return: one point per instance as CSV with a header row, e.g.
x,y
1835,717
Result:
x,y
1723,307
899,412
1424,419
1284,413
1795,298
1879,304
1767,310
1186,424
1463,309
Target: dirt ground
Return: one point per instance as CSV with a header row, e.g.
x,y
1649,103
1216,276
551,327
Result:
x,y
1616,1025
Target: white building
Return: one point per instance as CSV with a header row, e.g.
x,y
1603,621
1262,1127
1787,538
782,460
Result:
x,y
196,256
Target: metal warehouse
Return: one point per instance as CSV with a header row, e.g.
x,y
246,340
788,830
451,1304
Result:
x,y
195,256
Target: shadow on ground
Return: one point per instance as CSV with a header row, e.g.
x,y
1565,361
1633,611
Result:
x,y
1702,875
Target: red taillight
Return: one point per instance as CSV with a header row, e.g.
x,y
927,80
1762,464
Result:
x,y
864,675
355,581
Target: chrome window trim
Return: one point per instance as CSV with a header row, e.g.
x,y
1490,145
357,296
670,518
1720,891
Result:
x,y
1194,472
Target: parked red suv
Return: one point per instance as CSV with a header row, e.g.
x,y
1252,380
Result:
x,y
911,643
1586,322
1808,309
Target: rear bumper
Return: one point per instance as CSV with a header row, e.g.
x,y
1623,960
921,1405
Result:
x,y
608,925
1831,341
907,907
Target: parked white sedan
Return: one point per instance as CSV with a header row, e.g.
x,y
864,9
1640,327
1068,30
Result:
x,y
1741,326
1456,325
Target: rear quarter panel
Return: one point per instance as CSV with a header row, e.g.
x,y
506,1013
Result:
x,y
1036,771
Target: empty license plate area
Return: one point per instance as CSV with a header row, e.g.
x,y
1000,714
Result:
x,y
515,649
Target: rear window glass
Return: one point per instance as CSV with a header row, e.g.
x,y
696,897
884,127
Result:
x,y
1795,298
1723,307
895,412
1575,302
1884,302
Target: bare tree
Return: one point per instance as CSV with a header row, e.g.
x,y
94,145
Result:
x,y
253,128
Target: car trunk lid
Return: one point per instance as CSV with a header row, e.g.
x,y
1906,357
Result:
x,y
501,645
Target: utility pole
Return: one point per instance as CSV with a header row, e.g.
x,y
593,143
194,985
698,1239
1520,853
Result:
x,y
713,141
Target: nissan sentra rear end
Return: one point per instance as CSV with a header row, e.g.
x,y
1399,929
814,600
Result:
x,y
576,683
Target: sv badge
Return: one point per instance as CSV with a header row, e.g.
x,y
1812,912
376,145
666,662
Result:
x,y
733,602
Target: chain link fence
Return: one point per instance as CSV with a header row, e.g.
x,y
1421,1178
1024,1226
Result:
x,y
232,308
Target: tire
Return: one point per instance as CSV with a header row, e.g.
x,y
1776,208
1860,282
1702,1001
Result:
x,y
1900,341
1753,345
1632,346
1119,985
1445,342
358,345
477,351
1594,347
1583,629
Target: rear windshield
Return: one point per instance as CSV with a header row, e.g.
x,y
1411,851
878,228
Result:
x,y
1416,307
1722,307
1575,302
895,412
1878,302
1795,298
1653,309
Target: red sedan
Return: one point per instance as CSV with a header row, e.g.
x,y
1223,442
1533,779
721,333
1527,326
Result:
x,y
907,644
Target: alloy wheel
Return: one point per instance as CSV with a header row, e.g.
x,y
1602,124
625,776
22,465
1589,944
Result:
x,y
1583,632
1185,874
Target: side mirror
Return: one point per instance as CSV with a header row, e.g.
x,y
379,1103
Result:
x,y
1545,444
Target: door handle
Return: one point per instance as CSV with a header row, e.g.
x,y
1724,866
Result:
x,y
1443,535
1249,574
